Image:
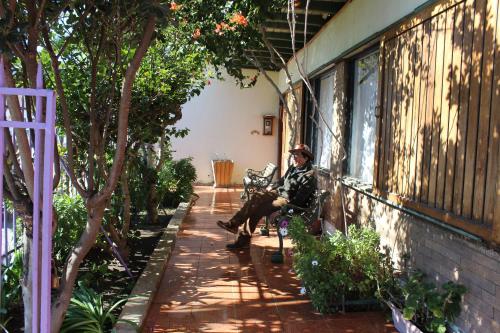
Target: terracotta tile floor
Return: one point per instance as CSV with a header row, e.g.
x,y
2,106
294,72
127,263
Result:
x,y
208,289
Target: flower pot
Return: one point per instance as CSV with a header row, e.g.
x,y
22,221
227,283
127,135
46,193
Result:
x,y
401,324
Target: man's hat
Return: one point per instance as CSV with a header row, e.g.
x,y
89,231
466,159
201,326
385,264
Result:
x,y
304,149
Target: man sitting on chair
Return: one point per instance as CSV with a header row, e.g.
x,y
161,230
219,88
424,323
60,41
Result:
x,y
295,187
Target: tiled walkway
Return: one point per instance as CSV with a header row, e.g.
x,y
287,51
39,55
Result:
x,y
208,289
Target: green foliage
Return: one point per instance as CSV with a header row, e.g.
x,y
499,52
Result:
x,y
11,294
338,267
228,29
140,176
175,182
71,221
88,312
99,266
12,274
427,306
171,73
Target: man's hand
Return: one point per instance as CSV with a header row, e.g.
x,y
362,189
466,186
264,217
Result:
x,y
280,202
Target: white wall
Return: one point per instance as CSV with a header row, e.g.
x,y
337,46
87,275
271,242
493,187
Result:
x,y
226,122
355,22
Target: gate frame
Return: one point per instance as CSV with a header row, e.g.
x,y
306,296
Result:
x,y
43,189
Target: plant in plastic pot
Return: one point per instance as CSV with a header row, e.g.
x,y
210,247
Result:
x,y
339,271
428,307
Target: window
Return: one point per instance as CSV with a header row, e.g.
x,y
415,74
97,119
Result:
x,y
318,135
363,122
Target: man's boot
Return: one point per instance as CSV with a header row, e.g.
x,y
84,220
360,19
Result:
x,y
243,242
232,228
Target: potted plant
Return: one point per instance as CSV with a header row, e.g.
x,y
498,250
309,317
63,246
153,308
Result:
x,y
420,306
339,271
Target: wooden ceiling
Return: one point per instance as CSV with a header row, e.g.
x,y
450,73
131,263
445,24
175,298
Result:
x,y
278,32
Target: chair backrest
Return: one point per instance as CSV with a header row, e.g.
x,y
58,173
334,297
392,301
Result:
x,y
316,202
269,170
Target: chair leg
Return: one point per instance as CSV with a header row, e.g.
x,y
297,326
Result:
x,y
245,195
277,257
264,230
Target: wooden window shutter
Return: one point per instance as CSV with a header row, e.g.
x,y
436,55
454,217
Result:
x,y
438,129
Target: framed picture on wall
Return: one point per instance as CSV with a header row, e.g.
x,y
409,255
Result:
x,y
268,125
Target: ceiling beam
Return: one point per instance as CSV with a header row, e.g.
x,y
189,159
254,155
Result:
x,y
323,10
286,31
284,52
312,20
299,42
323,6
299,26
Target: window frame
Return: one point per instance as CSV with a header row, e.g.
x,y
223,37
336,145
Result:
x,y
351,68
308,123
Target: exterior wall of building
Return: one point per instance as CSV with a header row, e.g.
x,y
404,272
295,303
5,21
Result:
x,y
355,22
440,252
226,122
442,255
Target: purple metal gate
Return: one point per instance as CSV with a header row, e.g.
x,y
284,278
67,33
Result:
x,y
42,188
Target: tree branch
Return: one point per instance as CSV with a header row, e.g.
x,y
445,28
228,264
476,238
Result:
x,y
65,113
124,110
22,138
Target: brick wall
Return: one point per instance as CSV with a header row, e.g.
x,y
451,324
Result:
x,y
442,254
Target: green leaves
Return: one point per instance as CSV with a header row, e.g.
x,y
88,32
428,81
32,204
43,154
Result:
x,y
88,312
429,307
71,219
345,266
409,312
11,292
229,29
175,182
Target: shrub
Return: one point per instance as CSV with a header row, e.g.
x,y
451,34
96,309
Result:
x,y
175,182
71,221
88,312
140,178
11,289
337,267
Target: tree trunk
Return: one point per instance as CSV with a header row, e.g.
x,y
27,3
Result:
x,y
68,278
126,205
97,203
27,283
120,242
152,203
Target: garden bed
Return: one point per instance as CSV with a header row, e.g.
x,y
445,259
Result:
x,y
137,306
112,279
104,273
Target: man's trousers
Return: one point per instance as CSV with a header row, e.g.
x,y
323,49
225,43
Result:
x,y
259,205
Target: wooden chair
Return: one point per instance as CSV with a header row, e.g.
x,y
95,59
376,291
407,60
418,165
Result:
x,y
256,180
309,214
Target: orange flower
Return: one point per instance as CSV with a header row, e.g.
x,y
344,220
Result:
x,y
220,27
196,33
239,19
174,6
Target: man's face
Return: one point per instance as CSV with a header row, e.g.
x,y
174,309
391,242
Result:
x,y
298,159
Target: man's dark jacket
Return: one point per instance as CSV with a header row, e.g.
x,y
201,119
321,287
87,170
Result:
x,y
297,185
